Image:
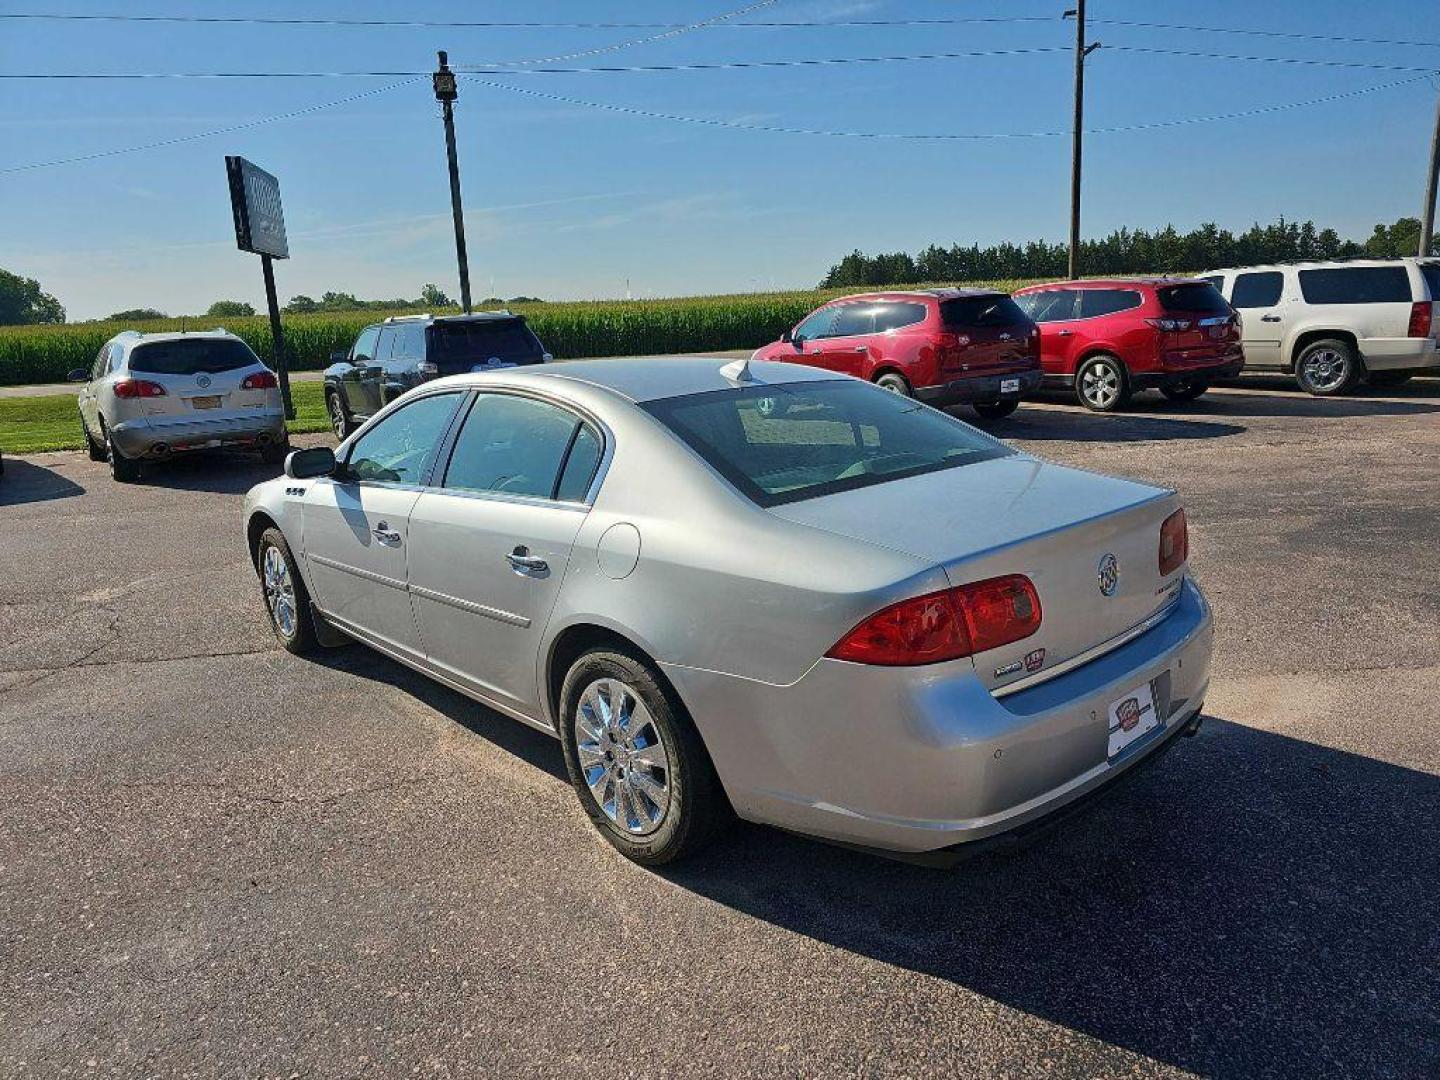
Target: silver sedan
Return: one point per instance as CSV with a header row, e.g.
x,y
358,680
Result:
x,y
753,589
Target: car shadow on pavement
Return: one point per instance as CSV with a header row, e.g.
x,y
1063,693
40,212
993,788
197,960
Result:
x,y
225,474
1080,426
23,482
1252,905
1243,403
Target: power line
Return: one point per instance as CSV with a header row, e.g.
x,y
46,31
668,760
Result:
x,y
1304,61
740,125
1287,34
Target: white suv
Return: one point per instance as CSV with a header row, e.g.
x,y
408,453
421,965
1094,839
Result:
x,y
147,396
1335,323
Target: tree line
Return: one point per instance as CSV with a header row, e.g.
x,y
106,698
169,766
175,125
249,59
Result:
x,y
1124,251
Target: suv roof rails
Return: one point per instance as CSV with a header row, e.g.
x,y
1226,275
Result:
x,y
408,318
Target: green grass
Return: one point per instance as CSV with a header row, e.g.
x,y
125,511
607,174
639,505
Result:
x,y
31,425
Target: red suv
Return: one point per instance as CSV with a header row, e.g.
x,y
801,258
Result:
x,y
1108,339
943,346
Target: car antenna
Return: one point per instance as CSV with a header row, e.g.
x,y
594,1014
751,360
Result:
x,y
738,371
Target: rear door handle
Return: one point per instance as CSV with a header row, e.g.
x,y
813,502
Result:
x,y
385,534
860,349
522,562
1064,333
1269,318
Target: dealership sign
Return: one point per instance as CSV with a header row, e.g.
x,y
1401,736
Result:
x,y
255,202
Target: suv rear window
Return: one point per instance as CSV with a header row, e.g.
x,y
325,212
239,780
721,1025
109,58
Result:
x,y
192,356
968,311
1197,299
477,341
1431,273
1356,285
781,444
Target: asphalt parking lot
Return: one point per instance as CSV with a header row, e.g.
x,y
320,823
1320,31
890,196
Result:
x,y
219,859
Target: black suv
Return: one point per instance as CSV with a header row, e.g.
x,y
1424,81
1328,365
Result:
x,y
405,350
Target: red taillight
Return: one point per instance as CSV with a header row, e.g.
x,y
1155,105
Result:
x,y
261,380
137,388
1170,326
945,625
1174,543
1420,312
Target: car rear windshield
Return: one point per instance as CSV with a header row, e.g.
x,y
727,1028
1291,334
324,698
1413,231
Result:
x,y
1199,298
968,311
781,444
1356,285
482,340
191,356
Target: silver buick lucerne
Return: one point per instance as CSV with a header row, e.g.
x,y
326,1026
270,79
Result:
x,y
758,588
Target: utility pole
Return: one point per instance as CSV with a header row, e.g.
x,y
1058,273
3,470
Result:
x,y
446,92
1082,50
1427,213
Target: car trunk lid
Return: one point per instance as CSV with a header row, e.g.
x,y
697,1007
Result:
x,y
992,336
1074,534
1198,326
201,377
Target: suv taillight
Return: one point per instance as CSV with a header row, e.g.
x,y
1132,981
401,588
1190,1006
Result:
x,y
137,388
1174,543
261,380
1170,326
945,625
1420,312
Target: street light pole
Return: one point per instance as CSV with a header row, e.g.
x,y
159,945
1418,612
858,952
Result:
x,y
1082,50
446,92
1427,213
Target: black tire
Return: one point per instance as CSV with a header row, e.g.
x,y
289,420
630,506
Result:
x,y
300,639
124,469
1182,392
1385,379
1328,367
697,806
1102,384
341,422
96,450
275,453
996,410
895,383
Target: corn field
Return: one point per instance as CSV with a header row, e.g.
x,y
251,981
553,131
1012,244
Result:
x,y
40,354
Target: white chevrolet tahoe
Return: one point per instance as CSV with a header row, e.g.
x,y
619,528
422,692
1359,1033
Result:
x,y
1334,324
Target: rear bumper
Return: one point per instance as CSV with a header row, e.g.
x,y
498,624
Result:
x,y
160,435
921,759
981,388
1228,369
1400,354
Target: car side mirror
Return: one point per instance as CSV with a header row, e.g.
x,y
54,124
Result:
x,y
78,375
339,356
787,337
309,463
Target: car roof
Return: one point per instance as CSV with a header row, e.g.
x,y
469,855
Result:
x,y
913,294
645,378
474,316
1114,283
135,337
1328,264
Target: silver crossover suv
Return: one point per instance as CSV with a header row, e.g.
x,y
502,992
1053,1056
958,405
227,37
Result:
x,y
758,588
147,396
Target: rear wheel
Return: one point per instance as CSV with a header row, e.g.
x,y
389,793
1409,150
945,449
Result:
x,y
1102,384
895,383
1390,378
636,760
1328,367
287,601
275,453
340,420
996,410
124,469
1188,390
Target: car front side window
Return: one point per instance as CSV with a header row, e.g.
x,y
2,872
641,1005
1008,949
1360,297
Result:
x,y
401,448
364,349
816,325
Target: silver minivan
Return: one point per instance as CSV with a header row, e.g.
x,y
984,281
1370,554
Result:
x,y
1335,324
148,396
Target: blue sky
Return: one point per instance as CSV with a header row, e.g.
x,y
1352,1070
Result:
x,y
567,201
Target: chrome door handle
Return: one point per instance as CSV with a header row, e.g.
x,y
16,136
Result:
x,y
522,562
385,534
860,349
1064,333
1269,318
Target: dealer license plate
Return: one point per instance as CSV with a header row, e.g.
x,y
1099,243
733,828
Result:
x,y
1009,386
1132,717
210,402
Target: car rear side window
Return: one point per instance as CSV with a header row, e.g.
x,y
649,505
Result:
x,y
853,319
191,356
1356,285
1194,298
780,444
477,341
967,311
512,445
1096,302
1051,305
1257,290
1431,273
897,316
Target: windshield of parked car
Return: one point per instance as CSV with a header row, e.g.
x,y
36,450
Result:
x,y
476,341
1199,298
783,443
191,356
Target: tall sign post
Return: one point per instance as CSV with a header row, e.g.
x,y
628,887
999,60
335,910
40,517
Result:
x,y
446,92
260,229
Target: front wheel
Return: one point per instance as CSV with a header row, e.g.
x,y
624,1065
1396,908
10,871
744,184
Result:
x,y
340,420
1326,368
636,761
996,410
287,601
1102,384
895,383
275,453
1188,390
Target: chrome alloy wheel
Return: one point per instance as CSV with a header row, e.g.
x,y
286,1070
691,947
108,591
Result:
x,y
337,416
279,590
623,756
1100,385
1324,369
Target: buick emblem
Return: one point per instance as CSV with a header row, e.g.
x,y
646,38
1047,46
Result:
x,y
203,381
1109,574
